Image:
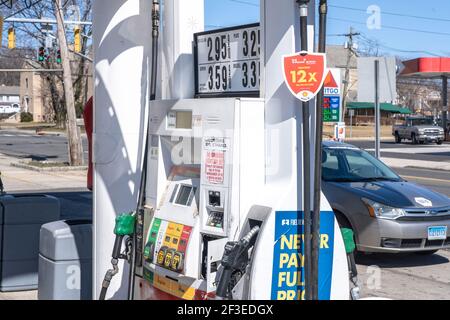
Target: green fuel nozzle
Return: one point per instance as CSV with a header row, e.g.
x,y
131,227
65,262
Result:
x,y
125,225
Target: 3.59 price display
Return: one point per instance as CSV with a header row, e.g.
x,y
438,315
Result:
x,y
228,61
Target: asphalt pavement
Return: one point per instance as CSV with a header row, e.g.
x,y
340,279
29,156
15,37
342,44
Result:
x,y
25,145
436,180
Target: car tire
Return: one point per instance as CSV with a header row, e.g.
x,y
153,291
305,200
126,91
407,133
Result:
x,y
414,139
439,142
397,138
426,253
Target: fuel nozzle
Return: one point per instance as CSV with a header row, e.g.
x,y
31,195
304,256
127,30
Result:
x,y
155,18
235,258
124,227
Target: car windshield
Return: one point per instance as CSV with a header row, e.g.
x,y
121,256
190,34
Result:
x,y
422,122
354,165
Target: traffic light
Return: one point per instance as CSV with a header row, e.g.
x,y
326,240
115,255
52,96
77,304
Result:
x,y
58,57
77,39
41,54
11,38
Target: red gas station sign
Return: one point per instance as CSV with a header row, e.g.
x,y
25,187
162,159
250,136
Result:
x,y
304,74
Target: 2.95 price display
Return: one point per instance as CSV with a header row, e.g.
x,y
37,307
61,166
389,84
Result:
x,y
228,61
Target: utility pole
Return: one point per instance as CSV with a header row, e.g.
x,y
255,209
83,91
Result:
x,y
73,134
377,110
445,105
350,53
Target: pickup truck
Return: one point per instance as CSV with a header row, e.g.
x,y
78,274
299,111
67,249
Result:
x,y
418,130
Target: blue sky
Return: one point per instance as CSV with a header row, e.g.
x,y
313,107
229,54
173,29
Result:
x,y
409,28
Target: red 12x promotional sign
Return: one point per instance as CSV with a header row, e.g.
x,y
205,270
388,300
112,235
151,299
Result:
x,y
304,73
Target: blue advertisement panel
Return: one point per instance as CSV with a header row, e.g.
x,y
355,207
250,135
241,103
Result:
x,y
288,281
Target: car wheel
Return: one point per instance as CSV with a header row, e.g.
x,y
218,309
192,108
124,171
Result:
x,y
414,139
439,142
426,253
397,138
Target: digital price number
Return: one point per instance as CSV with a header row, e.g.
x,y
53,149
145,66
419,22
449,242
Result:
x,y
228,61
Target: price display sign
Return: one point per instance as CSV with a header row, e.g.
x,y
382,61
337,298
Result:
x,y
227,62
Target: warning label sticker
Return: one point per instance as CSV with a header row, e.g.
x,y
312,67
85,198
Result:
x,y
214,154
214,166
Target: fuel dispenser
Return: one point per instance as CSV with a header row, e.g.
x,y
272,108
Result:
x,y
204,159
217,222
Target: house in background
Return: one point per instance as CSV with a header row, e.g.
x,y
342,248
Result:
x,y
9,96
34,97
345,59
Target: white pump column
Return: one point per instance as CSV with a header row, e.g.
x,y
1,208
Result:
x,y
122,45
280,30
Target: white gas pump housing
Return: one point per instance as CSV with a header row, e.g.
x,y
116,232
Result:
x,y
217,167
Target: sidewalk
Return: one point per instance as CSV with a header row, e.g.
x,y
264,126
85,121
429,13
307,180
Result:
x,y
42,132
421,164
18,179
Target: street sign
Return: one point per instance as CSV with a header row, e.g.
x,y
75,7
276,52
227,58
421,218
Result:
x,y
339,131
227,62
332,96
387,79
304,74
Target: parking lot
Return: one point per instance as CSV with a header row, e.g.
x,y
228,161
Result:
x,y
409,276
405,276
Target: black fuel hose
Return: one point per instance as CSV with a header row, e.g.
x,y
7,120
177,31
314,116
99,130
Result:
x,y
136,257
115,269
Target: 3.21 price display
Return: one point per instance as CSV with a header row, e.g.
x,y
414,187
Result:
x,y
227,61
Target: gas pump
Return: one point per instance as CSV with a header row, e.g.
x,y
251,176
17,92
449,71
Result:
x,y
223,207
208,170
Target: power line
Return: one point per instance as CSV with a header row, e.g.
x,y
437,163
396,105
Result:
x,y
245,2
393,14
366,38
23,9
394,27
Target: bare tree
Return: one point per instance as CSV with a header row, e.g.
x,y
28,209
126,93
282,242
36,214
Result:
x,y
56,86
73,133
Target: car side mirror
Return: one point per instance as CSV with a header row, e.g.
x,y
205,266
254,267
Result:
x,y
349,240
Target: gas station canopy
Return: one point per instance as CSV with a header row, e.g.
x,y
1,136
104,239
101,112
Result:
x,y
427,67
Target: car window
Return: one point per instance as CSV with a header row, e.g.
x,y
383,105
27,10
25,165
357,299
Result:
x,y
361,166
353,165
331,161
422,122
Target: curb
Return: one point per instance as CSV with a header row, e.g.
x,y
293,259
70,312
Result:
x,y
48,169
405,164
428,168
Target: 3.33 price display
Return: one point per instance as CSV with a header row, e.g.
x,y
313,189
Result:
x,y
227,61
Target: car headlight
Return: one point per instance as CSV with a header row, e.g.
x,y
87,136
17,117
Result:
x,y
382,211
421,131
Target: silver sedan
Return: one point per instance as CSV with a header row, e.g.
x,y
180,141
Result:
x,y
386,212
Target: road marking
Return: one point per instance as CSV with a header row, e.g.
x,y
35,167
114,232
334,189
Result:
x,y
424,178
